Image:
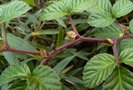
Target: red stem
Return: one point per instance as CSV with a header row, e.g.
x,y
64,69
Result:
x,y
21,51
73,26
119,25
57,50
115,53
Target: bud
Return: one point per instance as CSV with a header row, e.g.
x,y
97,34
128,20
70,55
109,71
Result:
x,y
35,33
71,35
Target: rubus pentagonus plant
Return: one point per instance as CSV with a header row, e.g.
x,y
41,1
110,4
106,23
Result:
x,y
66,45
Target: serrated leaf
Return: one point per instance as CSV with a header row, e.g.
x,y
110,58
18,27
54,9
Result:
x,y
121,8
73,6
121,79
53,11
126,43
111,31
65,7
12,10
13,72
98,69
44,78
100,19
101,6
18,85
131,26
126,56
18,43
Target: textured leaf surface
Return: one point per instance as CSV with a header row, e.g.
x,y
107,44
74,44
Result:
x,y
98,69
121,79
100,19
65,7
101,6
13,72
44,78
126,56
121,8
12,10
131,26
111,31
126,43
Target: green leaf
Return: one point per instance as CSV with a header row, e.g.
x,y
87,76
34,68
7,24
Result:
x,y
126,56
126,43
11,58
100,19
61,22
60,38
61,65
131,26
74,6
121,8
65,7
53,11
101,6
18,85
18,43
111,31
46,32
13,72
121,79
44,78
98,69
12,10
31,2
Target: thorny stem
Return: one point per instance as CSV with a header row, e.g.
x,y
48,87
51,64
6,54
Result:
x,y
59,49
87,39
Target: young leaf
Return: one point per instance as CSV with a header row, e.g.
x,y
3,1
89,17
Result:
x,y
121,79
126,56
131,26
126,43
98,69
12,10
111,31
121,8
13,72
44,78
19,43
100,19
